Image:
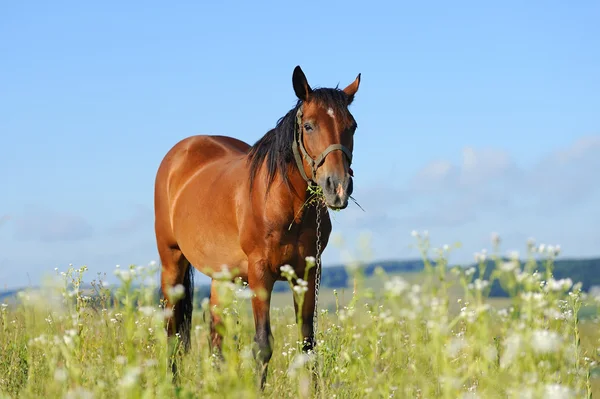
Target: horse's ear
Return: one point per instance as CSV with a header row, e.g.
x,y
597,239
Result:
x,y
301,86
352,88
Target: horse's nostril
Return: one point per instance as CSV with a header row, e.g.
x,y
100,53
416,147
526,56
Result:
x,y
329,183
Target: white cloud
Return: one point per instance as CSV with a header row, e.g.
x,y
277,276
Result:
x,y
141,218
553,200
581,148
480,166
435,171
477,167
51,226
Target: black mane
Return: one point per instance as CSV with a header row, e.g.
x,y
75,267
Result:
x,y
275,147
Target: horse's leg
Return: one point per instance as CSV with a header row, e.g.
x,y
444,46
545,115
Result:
x,y
216,335
261,283
176,270
306,314
306,317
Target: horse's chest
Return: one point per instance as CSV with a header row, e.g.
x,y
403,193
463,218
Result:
x,y
293,248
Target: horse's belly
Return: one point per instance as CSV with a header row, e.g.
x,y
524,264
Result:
x,y
205,226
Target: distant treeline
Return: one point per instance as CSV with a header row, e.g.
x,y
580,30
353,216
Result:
x,y
331,277
586,271
338,277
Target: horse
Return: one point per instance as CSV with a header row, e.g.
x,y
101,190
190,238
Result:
x,y
219,201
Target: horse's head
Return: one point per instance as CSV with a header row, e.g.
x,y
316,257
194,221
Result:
x,y
325,137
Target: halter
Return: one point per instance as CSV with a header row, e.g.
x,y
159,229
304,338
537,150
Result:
x,y
313,163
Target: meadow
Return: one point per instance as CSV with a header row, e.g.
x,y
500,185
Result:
x,y
432,334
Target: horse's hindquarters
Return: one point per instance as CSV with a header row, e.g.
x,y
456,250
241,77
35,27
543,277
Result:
x,y
199,180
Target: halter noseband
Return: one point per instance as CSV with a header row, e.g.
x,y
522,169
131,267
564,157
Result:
x,y
312,163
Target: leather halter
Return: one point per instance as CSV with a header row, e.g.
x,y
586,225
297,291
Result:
x,y
312,163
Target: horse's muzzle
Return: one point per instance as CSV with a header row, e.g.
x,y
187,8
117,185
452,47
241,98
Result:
x,y
337,190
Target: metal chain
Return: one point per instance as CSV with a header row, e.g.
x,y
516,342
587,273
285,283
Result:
x,y
317,275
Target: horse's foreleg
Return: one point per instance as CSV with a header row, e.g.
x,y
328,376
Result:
x,y
306,314
261,283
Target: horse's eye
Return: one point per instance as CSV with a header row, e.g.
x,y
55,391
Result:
x,y
308,127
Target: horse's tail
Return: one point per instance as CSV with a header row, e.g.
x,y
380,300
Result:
x,y
186,307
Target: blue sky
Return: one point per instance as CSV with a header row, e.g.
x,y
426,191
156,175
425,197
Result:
x,y
473,118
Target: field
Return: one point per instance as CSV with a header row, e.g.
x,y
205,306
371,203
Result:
x,y
423,335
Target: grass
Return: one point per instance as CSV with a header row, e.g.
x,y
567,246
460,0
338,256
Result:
x,y
434,334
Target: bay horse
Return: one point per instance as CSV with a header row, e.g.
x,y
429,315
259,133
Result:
x,y
219,201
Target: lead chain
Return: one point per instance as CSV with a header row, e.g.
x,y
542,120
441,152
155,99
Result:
x,y
317,276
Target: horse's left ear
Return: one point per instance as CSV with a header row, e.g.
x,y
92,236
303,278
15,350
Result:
x,y
352,88
301,86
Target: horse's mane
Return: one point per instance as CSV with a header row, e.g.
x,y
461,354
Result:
x,y
275,147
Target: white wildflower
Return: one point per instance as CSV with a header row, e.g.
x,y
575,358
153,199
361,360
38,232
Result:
x,y
519,275
396,286
544,341
176,293
558,285
490,353
147,310
224,274
594,292
287,271
512,347
79,393
71,332
301,282
509,266
68,340
480,257
124,275
495,239
60,375
557,250
298,361
310,260
298,289
131,377
244,293
479,284
557,391
455,346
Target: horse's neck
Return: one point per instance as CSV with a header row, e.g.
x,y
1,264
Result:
x,y
293,199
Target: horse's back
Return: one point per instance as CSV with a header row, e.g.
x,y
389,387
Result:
x,y
191,154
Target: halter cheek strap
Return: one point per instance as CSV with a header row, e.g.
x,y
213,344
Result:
x,y
298,146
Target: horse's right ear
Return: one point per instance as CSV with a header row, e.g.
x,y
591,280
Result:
x,y
301,86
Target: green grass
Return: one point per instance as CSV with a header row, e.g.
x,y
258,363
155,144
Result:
x,y
420,335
